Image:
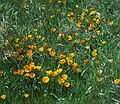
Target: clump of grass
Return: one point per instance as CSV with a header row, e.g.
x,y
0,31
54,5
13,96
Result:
x,y
62,50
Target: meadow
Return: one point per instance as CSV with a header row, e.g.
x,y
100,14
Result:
x,y
59,52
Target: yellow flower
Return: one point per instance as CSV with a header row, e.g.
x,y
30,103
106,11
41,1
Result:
x,y
44,45
61,35
82,41
67,58
61,81
38,36
64,76
54,74
52,16
37,68
86,60
41,49
6,42
32,75
52,53
92,12
49,72
17,40
53,29
27,74
45,79
76,6
103,42
26,39
95,50
82,18
117,81
26,95
87,47
97,32
71,19
91,8
72,54
20,71
42,38
62,56
78,25
99,71
15,73
70,37
70,14
49,49
3,97
17,45
94,53
69,62
29,53
94,19
91,26
15,54
97,21
87,39
26,68
59,70
99,79
76,34
31,47
110,23
83,14
77,70
30,36
31,65
66,84
62,61
59,1
86,10
21,57
87,20
75,65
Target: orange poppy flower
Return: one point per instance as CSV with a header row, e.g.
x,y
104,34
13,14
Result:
x,y
20,50
32,75
1,73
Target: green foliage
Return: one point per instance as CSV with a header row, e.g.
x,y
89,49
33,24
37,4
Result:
x,y
78,40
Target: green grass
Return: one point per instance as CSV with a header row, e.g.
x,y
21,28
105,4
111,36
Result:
x,y
16,21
